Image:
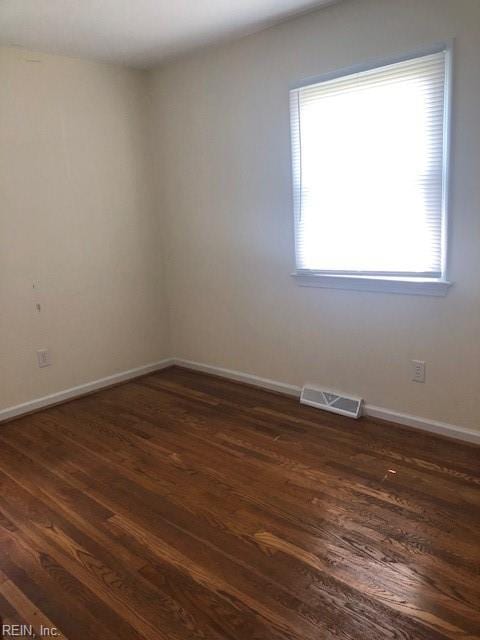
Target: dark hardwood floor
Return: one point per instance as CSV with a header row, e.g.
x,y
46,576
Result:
x,y
183,506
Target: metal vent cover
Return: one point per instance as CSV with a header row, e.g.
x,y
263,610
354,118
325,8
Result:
x,y
331,401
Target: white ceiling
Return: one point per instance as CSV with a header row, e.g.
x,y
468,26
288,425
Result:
x,y
139,33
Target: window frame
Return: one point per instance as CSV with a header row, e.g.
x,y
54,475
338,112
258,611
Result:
x,y
409,284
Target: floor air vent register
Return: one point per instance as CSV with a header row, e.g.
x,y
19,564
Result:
x,y
331,401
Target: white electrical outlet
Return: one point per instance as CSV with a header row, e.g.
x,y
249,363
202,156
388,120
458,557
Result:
x,y
418,371
43,357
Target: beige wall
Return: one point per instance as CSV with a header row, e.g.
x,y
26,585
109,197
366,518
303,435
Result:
x,y
223,170
76,215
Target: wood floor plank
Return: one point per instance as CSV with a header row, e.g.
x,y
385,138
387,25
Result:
x,y
185,506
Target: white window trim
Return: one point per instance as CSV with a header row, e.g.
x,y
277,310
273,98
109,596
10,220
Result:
x,y
387,284
412,286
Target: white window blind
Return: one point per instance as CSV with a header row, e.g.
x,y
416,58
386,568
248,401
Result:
x,y
369,171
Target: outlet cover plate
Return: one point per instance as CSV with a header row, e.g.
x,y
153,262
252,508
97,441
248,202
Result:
x,y
43,358
418,370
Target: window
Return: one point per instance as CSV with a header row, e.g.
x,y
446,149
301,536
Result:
x,y
369,170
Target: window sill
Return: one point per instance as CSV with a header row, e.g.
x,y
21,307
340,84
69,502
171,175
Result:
x,y
382,284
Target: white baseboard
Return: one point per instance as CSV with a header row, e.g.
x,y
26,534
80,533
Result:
x,y
372,411
238,376
74,392
423,424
